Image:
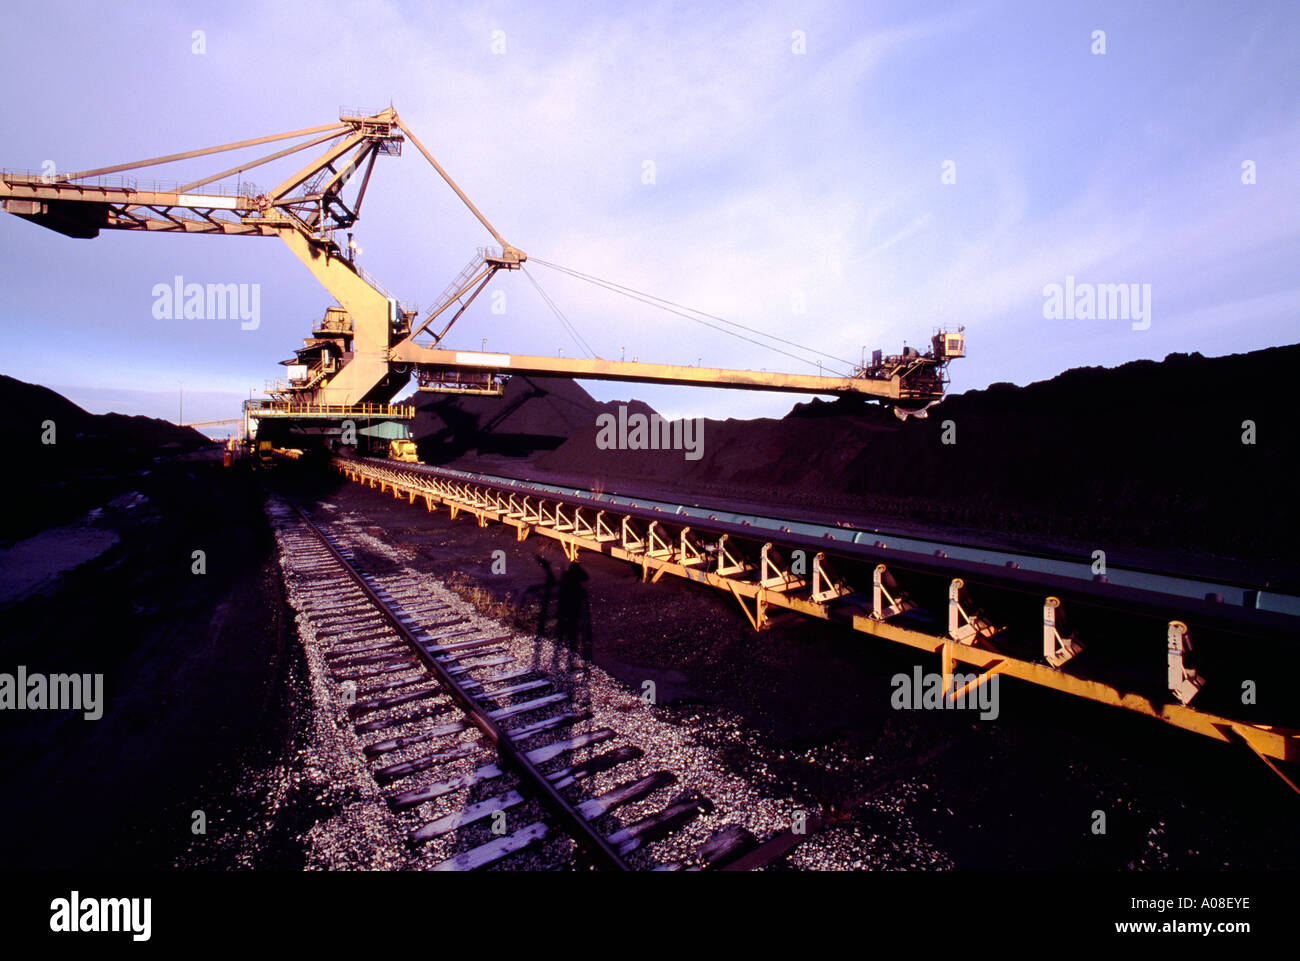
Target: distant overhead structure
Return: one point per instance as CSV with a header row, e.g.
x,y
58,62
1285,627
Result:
x,y
363,350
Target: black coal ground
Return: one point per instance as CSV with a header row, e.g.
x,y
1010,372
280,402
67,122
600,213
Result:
x,y
201,679
205,692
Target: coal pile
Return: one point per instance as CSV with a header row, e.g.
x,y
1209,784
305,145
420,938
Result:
x,y
87,463
1147,454
534,415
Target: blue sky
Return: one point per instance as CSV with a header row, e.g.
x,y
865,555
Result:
x,y
778,176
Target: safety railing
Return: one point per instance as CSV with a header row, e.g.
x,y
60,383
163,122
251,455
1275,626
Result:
x,y
267,408
241,188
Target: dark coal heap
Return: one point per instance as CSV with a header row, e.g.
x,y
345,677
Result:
x,y
534,415
1146,454
111,436
87,464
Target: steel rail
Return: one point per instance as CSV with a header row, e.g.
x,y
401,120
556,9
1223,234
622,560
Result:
x,y
582,831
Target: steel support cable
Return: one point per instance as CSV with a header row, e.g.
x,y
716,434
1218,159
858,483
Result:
x,y
690,312
651,303
573,331
572,327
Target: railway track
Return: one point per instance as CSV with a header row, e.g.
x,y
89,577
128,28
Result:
x,y
477,754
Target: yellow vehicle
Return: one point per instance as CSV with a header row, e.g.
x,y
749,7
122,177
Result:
x,y
264,453
403,450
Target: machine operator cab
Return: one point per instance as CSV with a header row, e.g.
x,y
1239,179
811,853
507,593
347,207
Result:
x,y
948,344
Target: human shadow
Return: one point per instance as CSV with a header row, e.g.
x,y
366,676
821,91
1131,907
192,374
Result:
x,y
573,613
543,594
570,651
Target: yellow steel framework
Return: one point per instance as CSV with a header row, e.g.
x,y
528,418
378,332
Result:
x,y
753,572
366,349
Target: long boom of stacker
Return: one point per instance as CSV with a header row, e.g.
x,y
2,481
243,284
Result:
x,y
364,349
